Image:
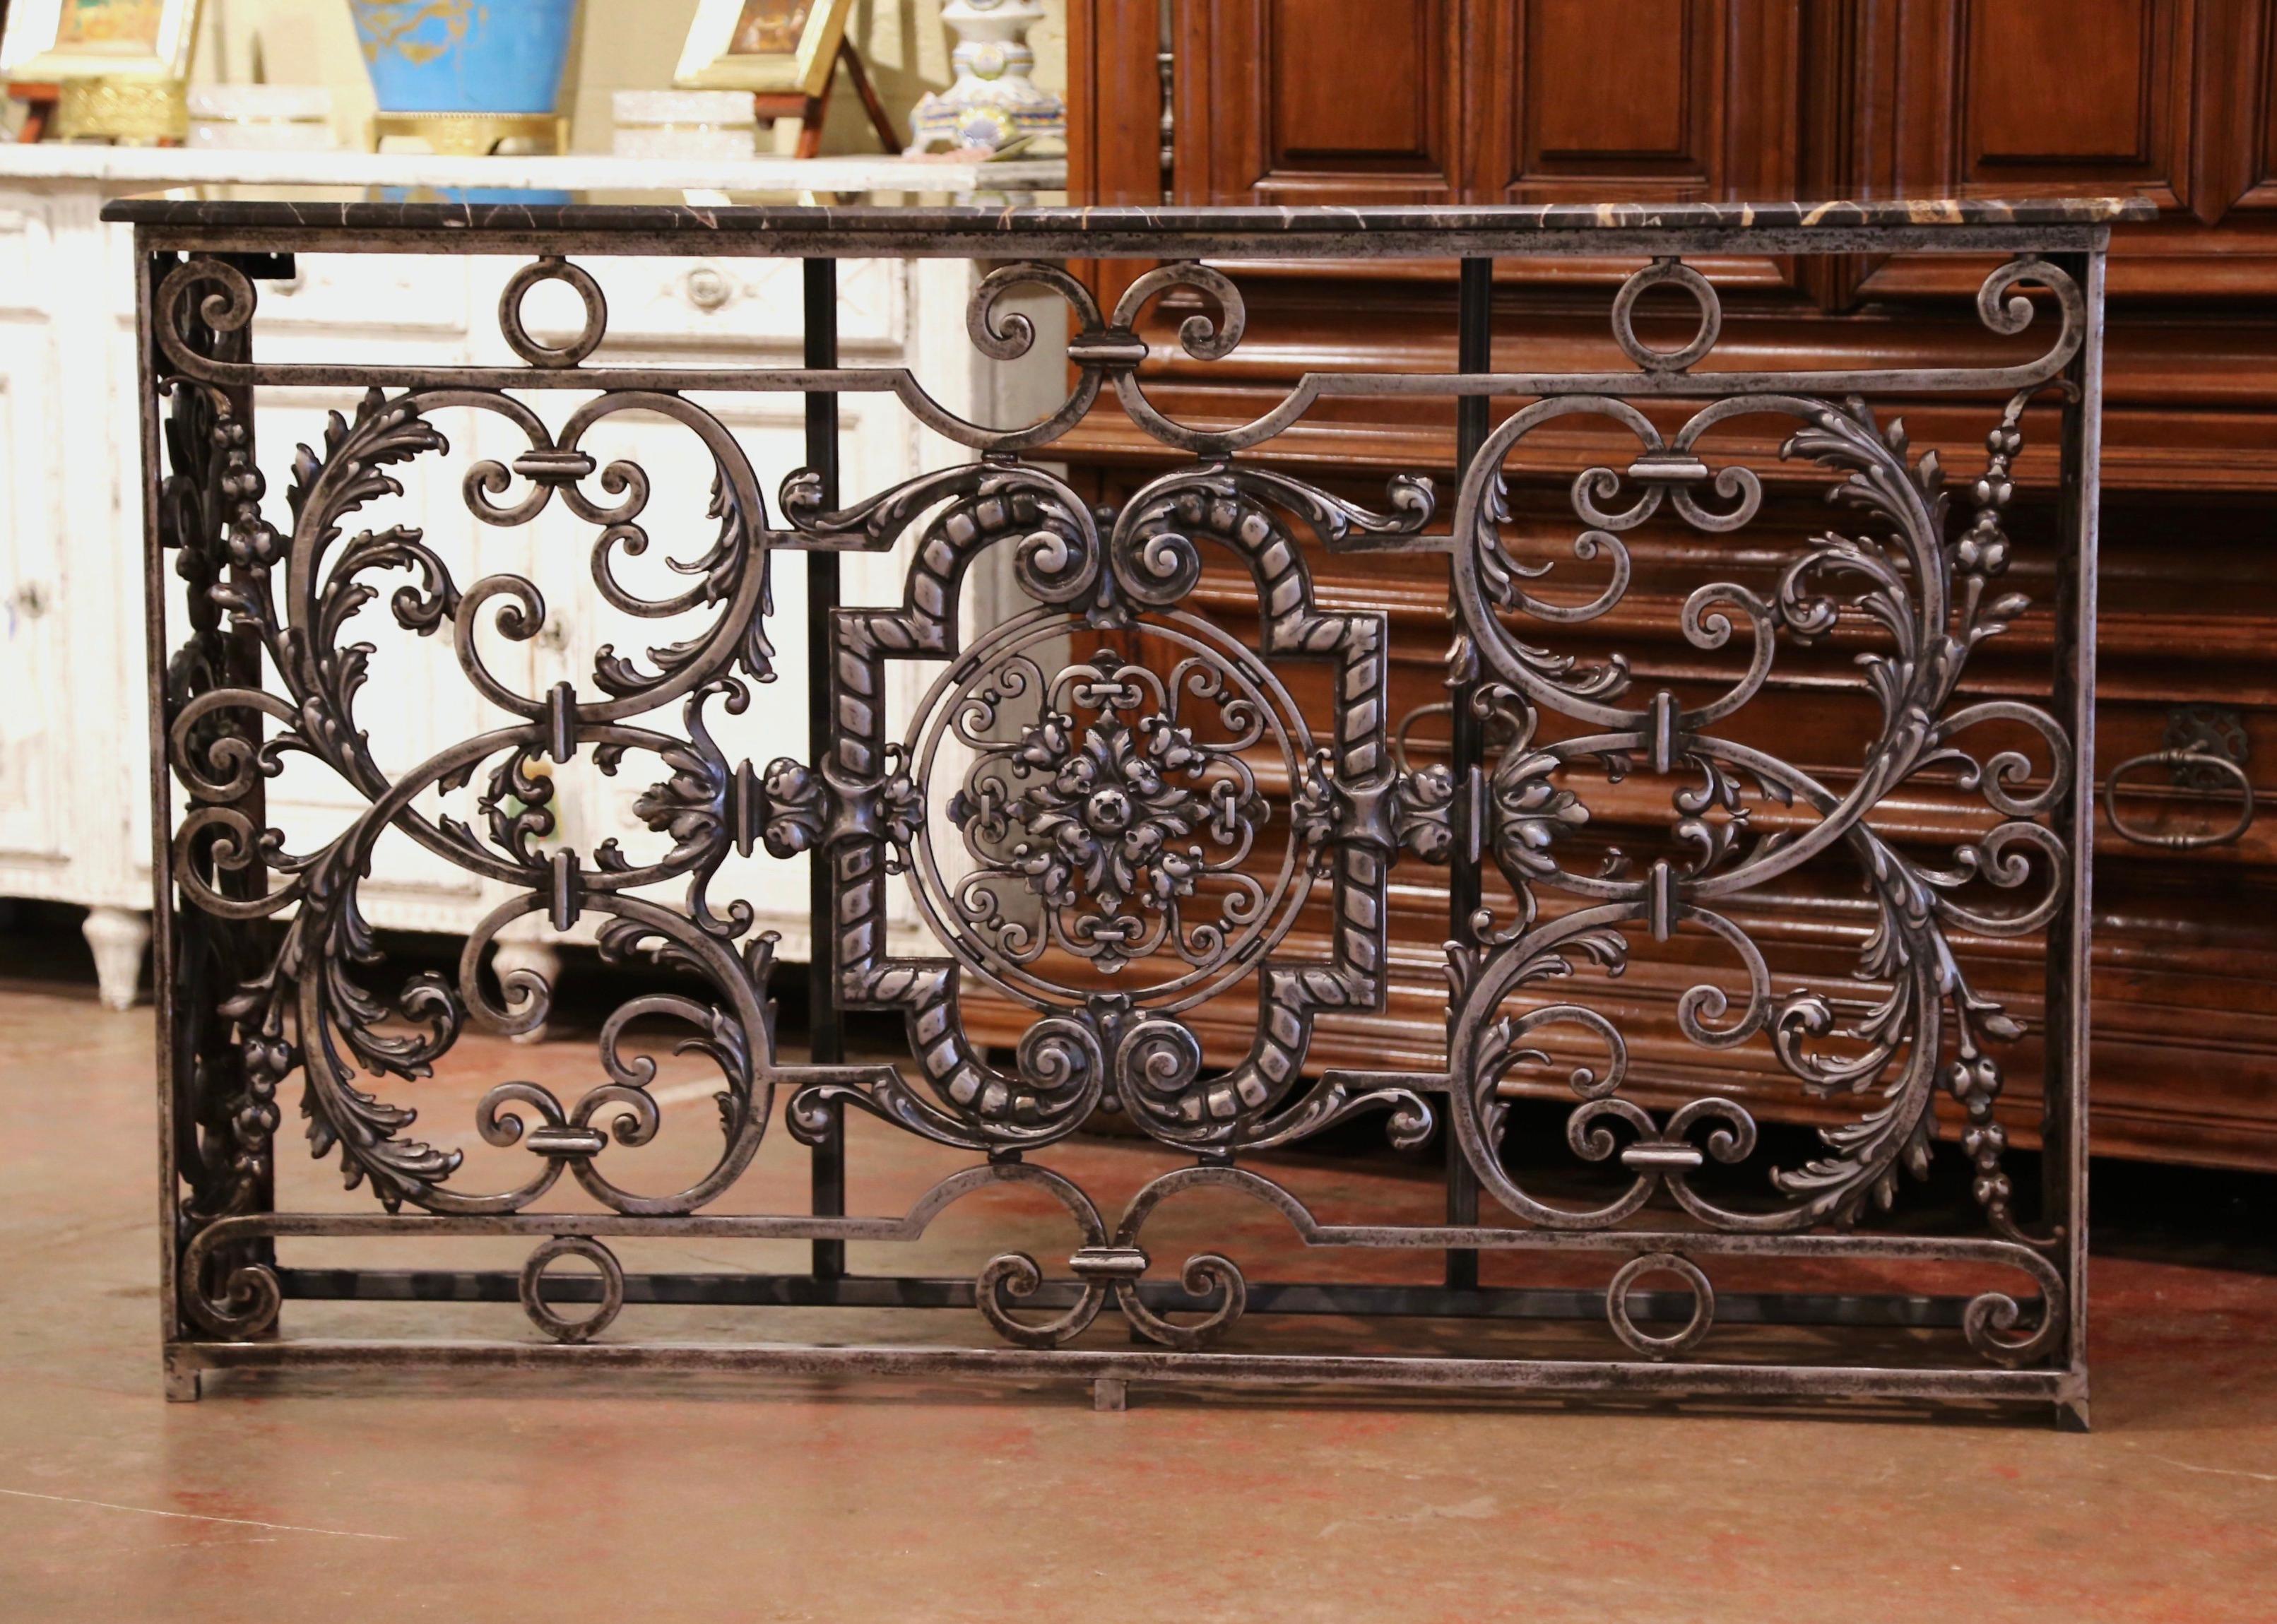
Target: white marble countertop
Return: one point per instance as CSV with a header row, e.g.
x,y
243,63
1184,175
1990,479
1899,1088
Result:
x,y
129,167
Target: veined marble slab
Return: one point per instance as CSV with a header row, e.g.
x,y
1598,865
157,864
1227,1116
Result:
x,y
314,219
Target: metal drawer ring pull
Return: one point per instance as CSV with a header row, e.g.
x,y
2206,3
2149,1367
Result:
x,y
2202,759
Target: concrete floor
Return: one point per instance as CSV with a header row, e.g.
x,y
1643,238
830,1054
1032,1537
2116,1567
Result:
x,y
585,1498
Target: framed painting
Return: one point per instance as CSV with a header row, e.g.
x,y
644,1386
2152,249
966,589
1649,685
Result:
x,y
776,47
47,40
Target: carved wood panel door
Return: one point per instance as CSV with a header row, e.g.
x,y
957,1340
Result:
x,y
1288,101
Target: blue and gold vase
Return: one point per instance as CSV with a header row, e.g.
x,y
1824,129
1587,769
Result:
x,y
469,74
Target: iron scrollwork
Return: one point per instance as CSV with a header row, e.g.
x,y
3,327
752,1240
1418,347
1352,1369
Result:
x,y
1112,808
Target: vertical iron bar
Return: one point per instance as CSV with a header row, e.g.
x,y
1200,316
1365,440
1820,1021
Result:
x,y
1474,353
2069,990
242,667
181,1383
827,1039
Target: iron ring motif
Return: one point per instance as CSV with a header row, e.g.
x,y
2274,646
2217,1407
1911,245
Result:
x,y
553,268
560,1327
1667,273
1624,1281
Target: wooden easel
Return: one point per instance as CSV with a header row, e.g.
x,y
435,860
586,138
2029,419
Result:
x,y
38,109
810,110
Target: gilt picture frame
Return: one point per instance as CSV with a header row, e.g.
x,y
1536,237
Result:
x,y
774,47
54,40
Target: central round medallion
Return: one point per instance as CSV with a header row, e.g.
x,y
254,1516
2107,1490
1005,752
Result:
x,y
1109,811
1113,838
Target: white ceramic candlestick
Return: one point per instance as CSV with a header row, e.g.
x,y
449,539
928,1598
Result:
x,y
993,99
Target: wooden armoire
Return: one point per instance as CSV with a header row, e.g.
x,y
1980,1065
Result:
x,y
1288,101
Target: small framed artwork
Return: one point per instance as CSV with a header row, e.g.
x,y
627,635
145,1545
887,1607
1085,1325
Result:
x,y
777,47
49,40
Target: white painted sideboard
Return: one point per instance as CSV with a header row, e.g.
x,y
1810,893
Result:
x,y
74,787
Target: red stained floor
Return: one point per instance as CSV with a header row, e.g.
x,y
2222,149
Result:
x,y
571,1498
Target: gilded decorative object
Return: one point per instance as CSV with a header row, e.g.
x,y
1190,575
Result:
x,y
133,112
774,46
475,135
1113,810
467,75
62,40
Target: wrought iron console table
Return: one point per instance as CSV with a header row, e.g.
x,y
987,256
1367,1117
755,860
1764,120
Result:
x,y
1111,810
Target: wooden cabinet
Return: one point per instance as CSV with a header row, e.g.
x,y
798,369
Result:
x,y
74,824
1286,102
1659,100
2166,99
1454,101
1282,125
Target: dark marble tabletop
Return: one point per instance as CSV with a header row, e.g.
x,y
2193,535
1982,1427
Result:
x,y
501,212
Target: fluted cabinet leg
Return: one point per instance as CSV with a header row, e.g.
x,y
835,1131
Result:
x,y
184,1381
117,937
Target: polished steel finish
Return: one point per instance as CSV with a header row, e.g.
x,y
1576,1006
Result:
x,y
1111,810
